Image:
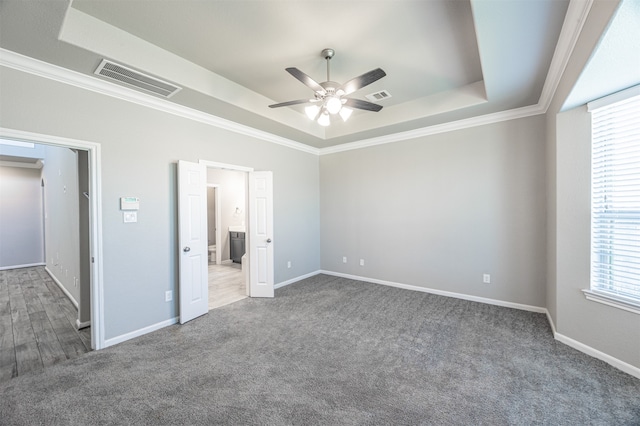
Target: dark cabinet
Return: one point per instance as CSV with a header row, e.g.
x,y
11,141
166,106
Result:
x,y
237,246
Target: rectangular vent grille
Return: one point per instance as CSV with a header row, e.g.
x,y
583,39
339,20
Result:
x,y
378,96
131,77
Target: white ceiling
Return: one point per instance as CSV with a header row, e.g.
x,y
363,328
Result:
x,y
445,60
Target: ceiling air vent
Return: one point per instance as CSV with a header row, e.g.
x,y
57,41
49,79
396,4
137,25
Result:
x,y
134,78
378,96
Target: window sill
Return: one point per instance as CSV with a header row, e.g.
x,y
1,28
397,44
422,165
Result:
x,y
612,300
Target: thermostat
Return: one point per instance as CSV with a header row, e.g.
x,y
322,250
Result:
x,y
129,203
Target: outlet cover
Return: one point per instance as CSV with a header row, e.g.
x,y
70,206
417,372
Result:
x,y
486,278
168,296
361,262
344,259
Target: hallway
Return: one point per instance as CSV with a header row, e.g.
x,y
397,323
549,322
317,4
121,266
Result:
x,y
37,323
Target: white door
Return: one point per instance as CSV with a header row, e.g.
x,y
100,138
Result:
x,y
192,219
260,234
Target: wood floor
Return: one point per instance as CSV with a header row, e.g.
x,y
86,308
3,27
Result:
x,y
37,320
37,323
226,284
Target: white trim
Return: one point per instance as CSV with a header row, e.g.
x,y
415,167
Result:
x,y
551,323
140,332
296,279
488,301
574,20
620,96
451,126
53,72
62,287
28,265
572,26
95,211
216,165
615,362
81,325
612,300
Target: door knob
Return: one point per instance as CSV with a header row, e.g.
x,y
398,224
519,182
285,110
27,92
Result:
x,y
186,249
269,240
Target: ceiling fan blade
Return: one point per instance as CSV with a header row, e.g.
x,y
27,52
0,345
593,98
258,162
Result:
x,y
363,80
288,103
306,80
360,104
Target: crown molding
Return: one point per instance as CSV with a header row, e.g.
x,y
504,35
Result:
x,y
49,71
574,20
480,120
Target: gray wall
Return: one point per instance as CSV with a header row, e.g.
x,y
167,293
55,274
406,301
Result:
x,y
609,330
140,149
21,234
577,317
62,229
439,211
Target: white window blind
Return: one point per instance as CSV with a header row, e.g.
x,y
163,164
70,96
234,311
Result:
x,y
615,200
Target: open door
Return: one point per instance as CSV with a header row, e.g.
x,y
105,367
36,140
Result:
x,y
261,234
192,219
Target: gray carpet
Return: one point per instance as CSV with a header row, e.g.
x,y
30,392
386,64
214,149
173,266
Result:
x,y
333,351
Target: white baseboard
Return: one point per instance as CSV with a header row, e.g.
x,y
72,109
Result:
x,y
81,325
441,292
615,362
28,265
139,332
296,279
551,323
64,290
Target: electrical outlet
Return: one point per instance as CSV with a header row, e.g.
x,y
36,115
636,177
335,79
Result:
x,y
344,259
361,262
289,264
486,278
168,296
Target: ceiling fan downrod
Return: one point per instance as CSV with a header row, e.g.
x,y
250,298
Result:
x,y
328,54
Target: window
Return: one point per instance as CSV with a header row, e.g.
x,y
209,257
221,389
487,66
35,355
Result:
x,y
615,200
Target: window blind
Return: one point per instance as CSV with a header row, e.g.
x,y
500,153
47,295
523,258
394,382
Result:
x,y
615,199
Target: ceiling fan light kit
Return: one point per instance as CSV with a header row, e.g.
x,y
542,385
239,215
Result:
x,y
330,97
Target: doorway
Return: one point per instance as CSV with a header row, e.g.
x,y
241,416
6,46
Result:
x,y
226,235
93,242
192,235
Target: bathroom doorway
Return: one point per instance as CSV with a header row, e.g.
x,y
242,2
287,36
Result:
x,y
226,231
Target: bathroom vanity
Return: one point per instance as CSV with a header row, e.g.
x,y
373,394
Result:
x,y
237,242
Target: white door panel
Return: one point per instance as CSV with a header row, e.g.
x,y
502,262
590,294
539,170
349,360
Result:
x,y
193,249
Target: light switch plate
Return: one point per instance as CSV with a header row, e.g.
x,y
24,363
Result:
x,y
130,217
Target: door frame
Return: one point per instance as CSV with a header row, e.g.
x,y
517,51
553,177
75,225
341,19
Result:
x,y
95,218
218,230
224,166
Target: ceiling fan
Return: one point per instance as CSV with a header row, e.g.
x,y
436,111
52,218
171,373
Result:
x,y
330,97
